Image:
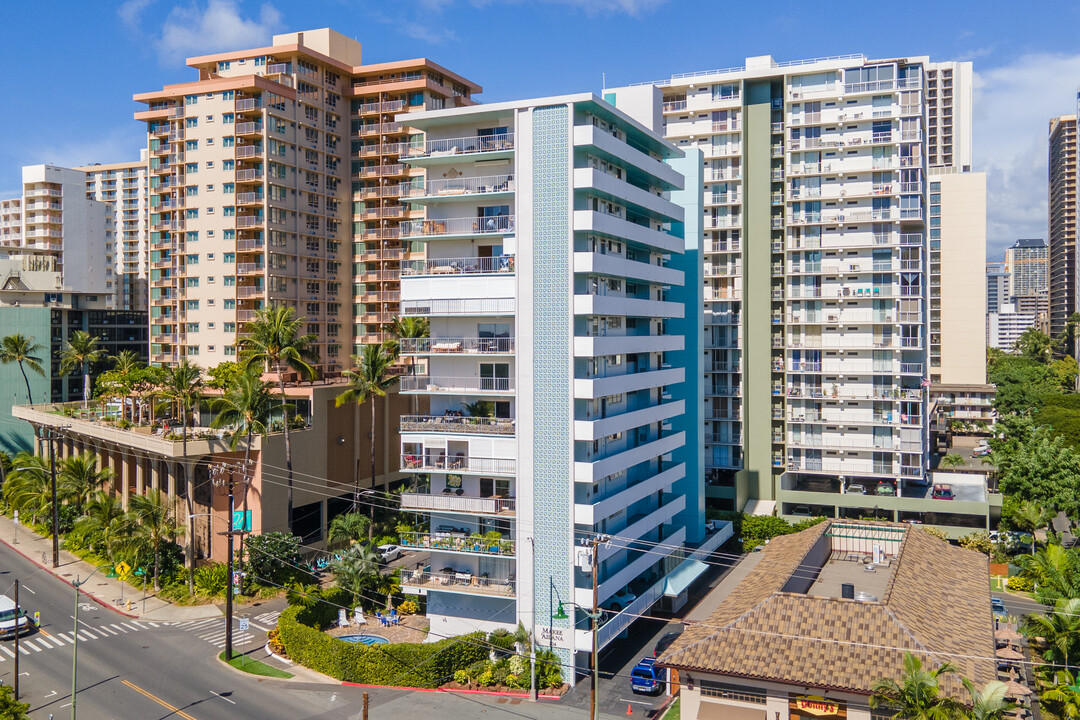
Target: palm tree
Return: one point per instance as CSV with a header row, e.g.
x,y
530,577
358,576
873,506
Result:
x,y
917,695
27,487
357,570
104,518
126,364
406,328
82,351
951,460
347,527
1060,629
78,478
245,407
274,341
1029,517
1055,571
154,523
183,387
988,703
388,585
23,350
370,379
1060,696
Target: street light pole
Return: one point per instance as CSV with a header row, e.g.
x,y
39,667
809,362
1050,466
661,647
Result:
x,y
224,474
55,508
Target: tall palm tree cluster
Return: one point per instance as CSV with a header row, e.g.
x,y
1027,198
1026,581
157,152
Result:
x,y
917,695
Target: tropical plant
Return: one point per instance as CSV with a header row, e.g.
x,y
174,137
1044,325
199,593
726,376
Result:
x,y
182,386
1044,470
274,341
1028,517
412,327
21,349
347,528
979,541
28,488
951,460
11,709
989,703
126,365
212,580
155,524
389,585
357,570
82,351
78,478
1060,629
1055,572
223,375
275,557
917,694
245,407
1061,696
104,524
371,379
480,409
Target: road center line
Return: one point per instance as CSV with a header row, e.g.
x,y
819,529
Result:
x,y
223,698
158,700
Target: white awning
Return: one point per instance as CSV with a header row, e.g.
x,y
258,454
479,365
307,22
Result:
x,y
760,507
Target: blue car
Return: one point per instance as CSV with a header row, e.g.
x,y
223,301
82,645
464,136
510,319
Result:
x,y
646,678
997,605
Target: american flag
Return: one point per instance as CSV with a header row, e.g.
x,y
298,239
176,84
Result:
x,y
925,383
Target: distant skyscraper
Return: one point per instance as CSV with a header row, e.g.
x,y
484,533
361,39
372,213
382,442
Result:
x,y
997,286
1062,221
1027,262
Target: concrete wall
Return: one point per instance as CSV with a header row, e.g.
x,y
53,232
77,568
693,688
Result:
x,y
16,435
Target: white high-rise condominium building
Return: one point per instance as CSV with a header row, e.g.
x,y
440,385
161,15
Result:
x,y
819,270
562,368
125,190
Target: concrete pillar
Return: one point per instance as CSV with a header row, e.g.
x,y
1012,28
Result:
x,y
140,475
125,478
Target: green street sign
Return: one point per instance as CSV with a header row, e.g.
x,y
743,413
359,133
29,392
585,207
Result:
x,y
241,520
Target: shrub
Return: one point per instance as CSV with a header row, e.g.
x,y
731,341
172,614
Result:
x,y
275,556
979,541
211,580
1018,583
408,607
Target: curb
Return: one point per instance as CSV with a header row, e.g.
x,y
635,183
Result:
x,y
270,652
47,569
461,691
253,675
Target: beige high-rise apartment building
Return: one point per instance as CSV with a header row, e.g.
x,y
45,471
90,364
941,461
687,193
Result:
x,y
1062,221
124,188
255,195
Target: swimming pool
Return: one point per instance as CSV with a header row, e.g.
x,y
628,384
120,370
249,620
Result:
x,y
365,639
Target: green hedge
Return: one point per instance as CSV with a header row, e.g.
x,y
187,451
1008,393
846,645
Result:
x,y
401,664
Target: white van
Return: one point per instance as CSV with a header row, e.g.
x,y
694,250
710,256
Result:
x,y
8,621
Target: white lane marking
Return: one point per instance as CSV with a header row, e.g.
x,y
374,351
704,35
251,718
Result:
x,y
102,629
7,652
223,698
135,629
23,650
30,645
260,627
87,633
154,624
114,625
68,638
28,590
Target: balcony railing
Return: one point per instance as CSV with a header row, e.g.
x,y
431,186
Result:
x,y
461,345
459,542
462,145
458,503
459,266
459,306
468,583
457,424
465,186
458,226
428,383
435,460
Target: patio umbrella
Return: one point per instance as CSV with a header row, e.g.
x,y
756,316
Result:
x,y
1009,654
1015,689
1007,633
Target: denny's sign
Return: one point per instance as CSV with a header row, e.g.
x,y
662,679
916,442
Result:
x,y
818,706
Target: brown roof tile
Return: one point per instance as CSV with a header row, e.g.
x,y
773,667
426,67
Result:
x,y
936,605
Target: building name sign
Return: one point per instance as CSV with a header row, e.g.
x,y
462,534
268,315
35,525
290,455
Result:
x,y
817,706
557,637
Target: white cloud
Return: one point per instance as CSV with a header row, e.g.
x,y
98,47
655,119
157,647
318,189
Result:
x,y
217,26
131,11
1013,107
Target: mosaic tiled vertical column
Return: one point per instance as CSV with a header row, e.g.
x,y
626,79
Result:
x,y
553,370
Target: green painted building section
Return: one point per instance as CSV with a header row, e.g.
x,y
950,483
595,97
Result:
x,y
755,479
35,323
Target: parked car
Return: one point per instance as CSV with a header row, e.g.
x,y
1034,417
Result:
x,y
619,600
943,492
856,489
389,553
886,489
10,624
801,510
646,677
665,642
980,452
997,605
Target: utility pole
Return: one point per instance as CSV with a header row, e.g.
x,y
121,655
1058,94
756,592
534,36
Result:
x,y
225,474
53,435
595,615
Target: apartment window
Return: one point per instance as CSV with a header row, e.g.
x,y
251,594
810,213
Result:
x,y
193,350
229,327
192,259
209,164
228,188
230,350
192,213
209,211
229,211
228,164
191,168
191,99
229,257
229,304
191,236
191,144
191,282
227,118
191,122
191,304
223,65
229,281
416,98
210,279
192,327
228,141
228,94
229,234
209,118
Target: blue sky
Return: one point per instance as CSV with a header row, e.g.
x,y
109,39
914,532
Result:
x,y
1026,55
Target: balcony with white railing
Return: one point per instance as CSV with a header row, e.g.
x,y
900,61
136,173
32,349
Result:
x,y
437,460
450,147
450,502
463,307
457,345
448,188
455,385
468,584
457,424
459,543
500,264
459,226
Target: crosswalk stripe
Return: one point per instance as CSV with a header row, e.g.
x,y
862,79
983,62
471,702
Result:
x,y
154,624
130,626
7,652
102,629
119,628
23,650
87,633
57,642
30,645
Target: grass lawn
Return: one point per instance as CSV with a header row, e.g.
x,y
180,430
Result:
x,y
673,712
250,665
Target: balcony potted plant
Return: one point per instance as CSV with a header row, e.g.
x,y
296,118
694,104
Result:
x,y
477,541
494,538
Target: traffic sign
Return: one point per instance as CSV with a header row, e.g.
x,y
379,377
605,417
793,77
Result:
x,y
241,520
245,623
122,568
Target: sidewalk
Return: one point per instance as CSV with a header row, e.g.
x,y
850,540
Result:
x,y
103,590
